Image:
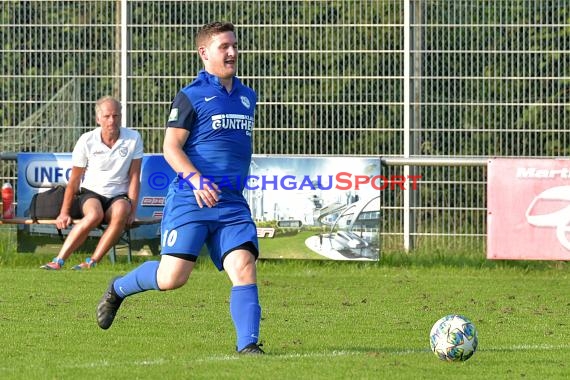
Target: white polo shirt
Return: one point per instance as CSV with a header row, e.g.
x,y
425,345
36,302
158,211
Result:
x,y
107,169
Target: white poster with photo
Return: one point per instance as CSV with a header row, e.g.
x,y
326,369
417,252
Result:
x,y
316,207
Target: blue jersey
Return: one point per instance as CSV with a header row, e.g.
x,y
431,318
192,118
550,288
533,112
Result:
x,y
219,144
221,126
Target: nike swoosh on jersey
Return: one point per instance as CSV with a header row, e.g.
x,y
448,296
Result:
x,y
210,98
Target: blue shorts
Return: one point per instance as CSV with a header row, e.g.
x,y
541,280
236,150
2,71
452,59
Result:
x,y
223,228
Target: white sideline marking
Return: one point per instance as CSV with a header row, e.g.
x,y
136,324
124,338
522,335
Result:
x,y
223,358
286,356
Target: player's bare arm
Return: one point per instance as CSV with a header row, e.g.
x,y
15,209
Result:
x,y
174,140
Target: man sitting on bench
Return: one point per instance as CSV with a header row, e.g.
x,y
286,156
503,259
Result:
x,y
105,177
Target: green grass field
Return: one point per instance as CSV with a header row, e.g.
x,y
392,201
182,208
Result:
x,y
321,320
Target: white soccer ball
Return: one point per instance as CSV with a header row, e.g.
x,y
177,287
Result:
x,y
453,338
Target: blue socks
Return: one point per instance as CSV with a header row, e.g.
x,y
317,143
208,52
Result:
x,y
139,280
246,314
244,300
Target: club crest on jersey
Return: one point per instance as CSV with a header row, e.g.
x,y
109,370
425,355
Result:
x,y
123,151
173,115
245,102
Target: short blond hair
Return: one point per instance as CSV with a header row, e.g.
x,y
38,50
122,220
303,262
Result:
x,y
105,99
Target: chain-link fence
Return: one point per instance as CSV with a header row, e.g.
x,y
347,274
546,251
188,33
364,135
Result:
x,y
390,78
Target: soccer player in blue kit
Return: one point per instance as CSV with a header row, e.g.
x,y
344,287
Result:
x,y
208,142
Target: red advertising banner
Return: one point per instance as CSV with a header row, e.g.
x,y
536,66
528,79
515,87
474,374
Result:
x,y
528,209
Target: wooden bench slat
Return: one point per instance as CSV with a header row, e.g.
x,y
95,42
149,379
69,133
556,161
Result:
x,y
136,223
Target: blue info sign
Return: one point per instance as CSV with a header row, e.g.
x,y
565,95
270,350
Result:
x,y
40,171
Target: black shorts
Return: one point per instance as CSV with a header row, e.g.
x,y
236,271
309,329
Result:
x,y
86,194
249,246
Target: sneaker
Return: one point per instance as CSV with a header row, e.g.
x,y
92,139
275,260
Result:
x,y
108,306
252,349
55,264
87,264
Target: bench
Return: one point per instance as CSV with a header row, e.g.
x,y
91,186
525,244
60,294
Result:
x,y
124,238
